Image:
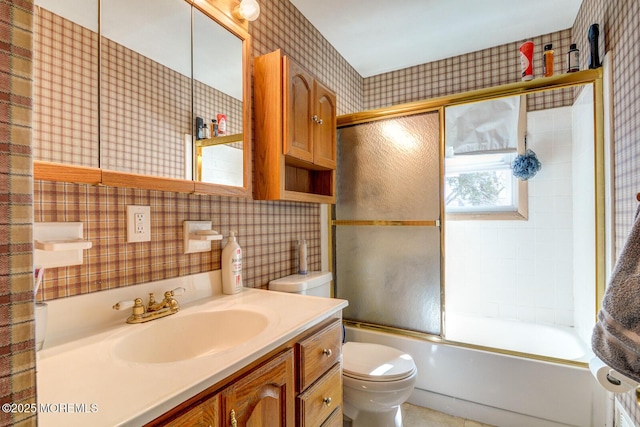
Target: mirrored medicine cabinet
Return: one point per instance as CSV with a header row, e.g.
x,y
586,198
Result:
x,y
119,87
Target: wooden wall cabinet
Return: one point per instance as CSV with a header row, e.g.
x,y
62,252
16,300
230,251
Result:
x,y
295,132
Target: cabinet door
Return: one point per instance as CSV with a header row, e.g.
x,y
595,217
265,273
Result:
x,y
264,398
298,115
324,135
203,415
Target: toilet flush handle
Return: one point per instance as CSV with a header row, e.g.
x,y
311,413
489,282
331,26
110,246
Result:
x,y
327,352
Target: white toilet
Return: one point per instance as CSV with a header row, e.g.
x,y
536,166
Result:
x,y
377,379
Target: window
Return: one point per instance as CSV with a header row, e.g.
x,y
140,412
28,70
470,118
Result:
x,y
482,139
482,186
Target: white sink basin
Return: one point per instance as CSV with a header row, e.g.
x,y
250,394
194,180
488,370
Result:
x,y
176,338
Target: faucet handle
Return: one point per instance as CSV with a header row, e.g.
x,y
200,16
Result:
x,y
121,305
178,291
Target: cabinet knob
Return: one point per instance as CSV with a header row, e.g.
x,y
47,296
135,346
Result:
x,y
327,352
316,119
326,401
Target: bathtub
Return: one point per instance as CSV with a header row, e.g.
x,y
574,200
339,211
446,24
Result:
x,y
496,388
558,342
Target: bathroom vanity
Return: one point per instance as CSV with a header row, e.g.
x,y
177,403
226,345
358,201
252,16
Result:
x,y
275,356
264,393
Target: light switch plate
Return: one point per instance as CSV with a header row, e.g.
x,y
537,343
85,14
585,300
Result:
x,y
138,224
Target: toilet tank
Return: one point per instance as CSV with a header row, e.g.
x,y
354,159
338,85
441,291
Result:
x,y
317,283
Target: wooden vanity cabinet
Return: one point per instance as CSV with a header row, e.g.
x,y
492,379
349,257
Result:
x,y
300,384
319,377
204,414
295,132
262,398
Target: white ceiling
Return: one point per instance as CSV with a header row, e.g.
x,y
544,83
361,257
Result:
x,y
378,36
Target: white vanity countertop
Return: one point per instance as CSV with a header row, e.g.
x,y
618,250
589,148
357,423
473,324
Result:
x,y
82,382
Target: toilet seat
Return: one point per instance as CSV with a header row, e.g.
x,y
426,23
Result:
x,y
375,362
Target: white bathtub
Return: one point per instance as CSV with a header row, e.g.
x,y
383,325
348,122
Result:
x,y
559,342
495,388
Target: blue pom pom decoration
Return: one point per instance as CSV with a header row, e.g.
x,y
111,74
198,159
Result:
x,y
526,165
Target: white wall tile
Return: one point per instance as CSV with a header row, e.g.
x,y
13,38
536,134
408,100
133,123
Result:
x,y
521,269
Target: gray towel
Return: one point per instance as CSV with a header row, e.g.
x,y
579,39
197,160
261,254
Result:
x,y
616,336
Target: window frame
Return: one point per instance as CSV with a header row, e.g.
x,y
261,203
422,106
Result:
x,y
521,205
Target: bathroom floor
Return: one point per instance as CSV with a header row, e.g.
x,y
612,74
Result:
x,y
417,416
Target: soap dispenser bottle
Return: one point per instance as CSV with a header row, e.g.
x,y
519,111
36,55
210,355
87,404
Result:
x,y
231,266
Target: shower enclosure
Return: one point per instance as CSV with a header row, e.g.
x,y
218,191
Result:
x,y
387,228
408,266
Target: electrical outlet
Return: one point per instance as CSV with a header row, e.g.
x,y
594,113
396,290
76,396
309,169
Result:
x,y
138,224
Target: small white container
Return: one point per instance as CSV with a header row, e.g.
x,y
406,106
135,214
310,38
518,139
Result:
x,y
302,255
231,266
41,323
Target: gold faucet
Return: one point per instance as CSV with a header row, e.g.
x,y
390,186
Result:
x,y
153,310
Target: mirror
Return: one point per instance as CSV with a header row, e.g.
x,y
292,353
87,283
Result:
x,y
145,97
132,108
220,160
218,103
65,82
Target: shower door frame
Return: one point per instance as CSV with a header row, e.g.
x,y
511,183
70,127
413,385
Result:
x,y
585,77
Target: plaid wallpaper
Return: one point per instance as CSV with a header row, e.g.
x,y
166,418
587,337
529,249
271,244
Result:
x,y
17,354
260,223
65,73
490,67
267,232
619,23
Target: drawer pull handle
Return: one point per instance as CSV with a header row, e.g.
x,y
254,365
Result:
x,y
232,415
326,401
327,352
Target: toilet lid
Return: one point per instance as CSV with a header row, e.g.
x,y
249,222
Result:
x,y
375,362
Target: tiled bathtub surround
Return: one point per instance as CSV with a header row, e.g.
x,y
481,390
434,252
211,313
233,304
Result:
x,y
267,233
522,269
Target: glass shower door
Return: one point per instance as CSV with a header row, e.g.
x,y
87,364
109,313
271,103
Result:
x,y
387,235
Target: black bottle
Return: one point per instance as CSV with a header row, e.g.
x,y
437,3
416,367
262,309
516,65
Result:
x,y
594,60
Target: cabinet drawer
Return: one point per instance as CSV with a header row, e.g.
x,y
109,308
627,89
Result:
x,y
335,419
320,400
318,353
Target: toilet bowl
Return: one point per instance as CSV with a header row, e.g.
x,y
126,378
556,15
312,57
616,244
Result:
x,y
376,379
